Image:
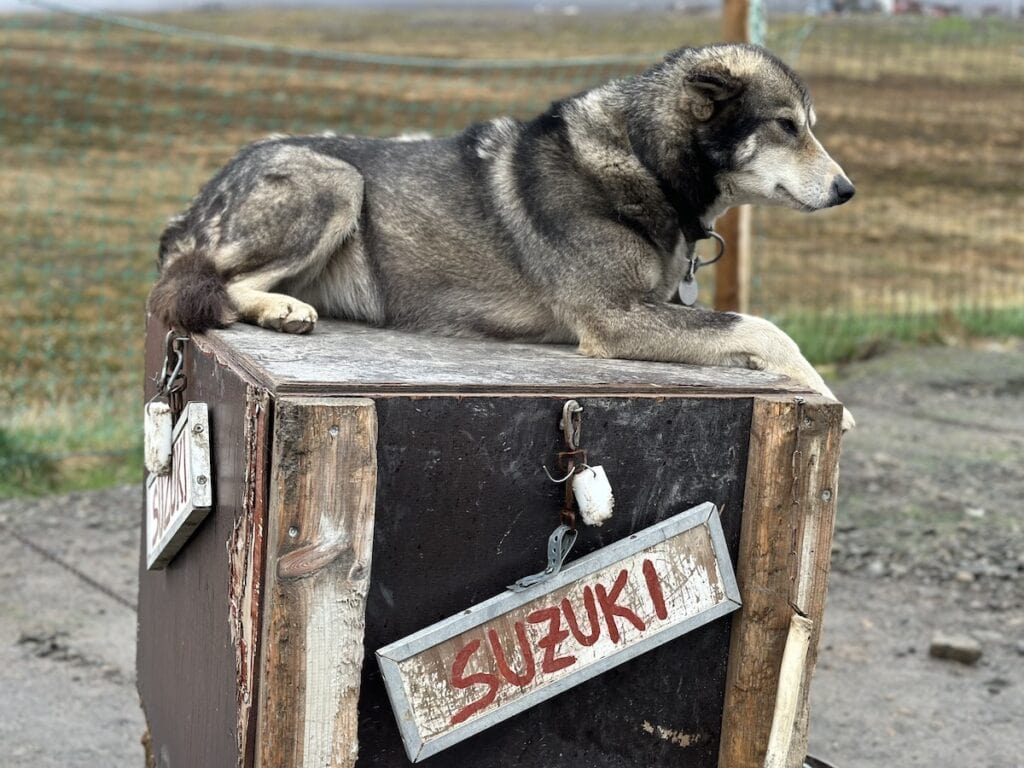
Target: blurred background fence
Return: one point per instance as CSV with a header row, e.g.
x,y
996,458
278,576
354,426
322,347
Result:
x,y
108,124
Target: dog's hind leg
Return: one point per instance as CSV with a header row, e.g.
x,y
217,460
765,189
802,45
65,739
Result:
x,y
277,311
263,229
302,211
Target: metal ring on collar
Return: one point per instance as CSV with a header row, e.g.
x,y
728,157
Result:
x,y
721,250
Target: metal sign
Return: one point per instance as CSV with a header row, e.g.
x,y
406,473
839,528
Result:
x,y
177,502
496,659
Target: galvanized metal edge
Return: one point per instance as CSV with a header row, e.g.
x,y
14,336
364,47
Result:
x,y
490,609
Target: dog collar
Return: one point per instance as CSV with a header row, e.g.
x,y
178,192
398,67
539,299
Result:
x,y
693,230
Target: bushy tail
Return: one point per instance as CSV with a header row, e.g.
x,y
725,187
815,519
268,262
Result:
x,y
190,295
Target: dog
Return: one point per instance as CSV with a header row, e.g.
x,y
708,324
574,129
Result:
x,y
575,227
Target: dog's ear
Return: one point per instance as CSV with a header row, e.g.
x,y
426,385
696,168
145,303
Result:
x,y
706,87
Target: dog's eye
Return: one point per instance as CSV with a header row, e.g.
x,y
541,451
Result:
x,y
788,126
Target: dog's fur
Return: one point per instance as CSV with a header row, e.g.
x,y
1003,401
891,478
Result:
x,y
574,227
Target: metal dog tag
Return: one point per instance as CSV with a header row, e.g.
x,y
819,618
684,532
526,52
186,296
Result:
x,y
688,290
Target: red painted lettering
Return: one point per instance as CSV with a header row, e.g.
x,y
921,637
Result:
x,y
549,643
524,647
157,506
570,618
459,681
654,588
179,470
162,506
611,609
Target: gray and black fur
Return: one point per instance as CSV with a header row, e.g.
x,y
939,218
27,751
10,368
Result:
x,y
572,227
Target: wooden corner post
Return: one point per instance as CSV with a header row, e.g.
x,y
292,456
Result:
x,y
782,570
323,485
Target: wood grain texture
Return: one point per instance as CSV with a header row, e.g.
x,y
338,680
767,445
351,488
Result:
x,y
788,698
357,359
246,551
817,475
319,543
785,545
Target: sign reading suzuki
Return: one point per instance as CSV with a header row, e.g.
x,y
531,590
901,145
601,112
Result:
x,y
178,501
471,671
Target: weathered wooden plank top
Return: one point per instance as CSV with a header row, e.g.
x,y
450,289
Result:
x,y
349,358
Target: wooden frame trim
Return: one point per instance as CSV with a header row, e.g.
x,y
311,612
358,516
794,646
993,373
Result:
x,y
783,565
246,553
319,543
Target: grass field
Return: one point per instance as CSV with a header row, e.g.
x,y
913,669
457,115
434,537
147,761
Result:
x,y
106,130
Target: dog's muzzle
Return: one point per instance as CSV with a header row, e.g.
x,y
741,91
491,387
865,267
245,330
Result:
x,y
842,190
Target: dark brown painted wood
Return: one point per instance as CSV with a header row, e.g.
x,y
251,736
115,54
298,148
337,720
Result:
x,y
348,358
187,660
464,508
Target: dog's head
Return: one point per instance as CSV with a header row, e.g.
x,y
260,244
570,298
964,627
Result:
x,y
752,120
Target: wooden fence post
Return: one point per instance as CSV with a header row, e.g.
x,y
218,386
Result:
x,y
732,274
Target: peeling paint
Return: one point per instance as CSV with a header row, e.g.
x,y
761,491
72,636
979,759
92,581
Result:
x,y
678,738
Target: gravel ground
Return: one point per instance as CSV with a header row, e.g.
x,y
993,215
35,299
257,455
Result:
x,y
930,539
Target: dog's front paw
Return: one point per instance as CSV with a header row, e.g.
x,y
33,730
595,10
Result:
x,y
288,315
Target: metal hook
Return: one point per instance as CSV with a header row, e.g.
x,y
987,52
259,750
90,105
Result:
x,y
572,424
171,379
559,545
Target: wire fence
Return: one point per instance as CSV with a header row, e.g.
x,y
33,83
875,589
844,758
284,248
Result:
x,y
109,124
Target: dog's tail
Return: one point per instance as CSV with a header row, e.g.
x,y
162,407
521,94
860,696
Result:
x,y
190,294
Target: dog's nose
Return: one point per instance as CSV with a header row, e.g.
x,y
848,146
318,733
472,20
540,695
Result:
x,y
842,190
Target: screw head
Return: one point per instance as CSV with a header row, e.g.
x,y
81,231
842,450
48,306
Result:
x,y
201,479
197,428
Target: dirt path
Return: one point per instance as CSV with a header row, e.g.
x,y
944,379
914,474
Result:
x,y
67,650
930,538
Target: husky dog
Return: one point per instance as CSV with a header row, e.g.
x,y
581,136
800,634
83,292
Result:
x,y
574,227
